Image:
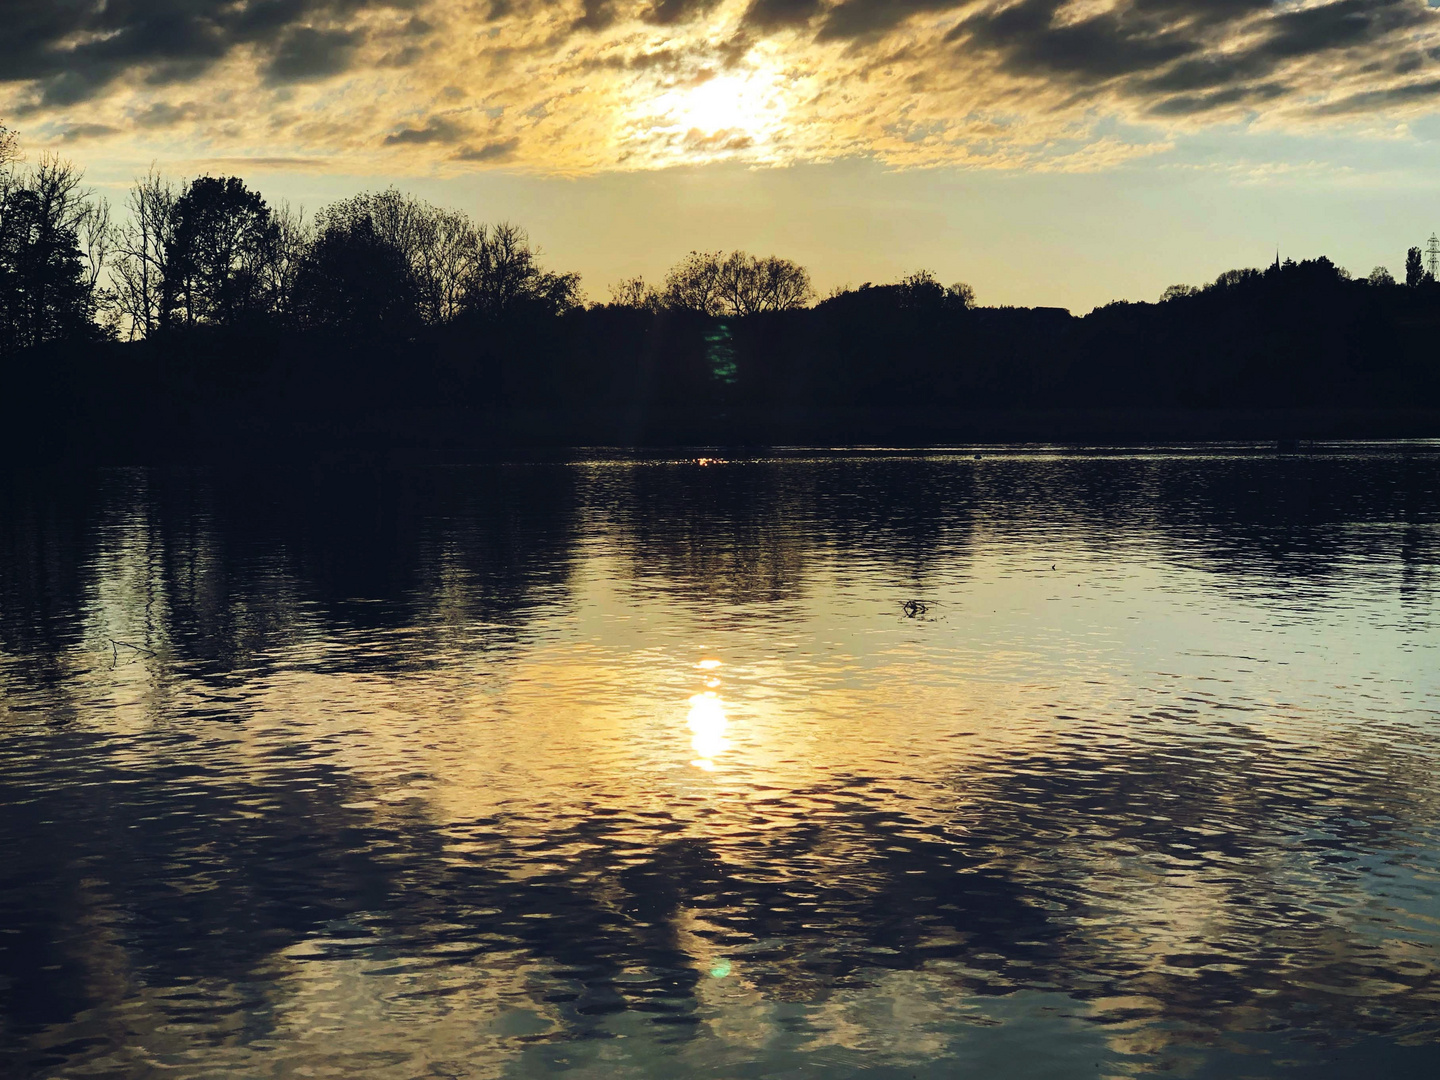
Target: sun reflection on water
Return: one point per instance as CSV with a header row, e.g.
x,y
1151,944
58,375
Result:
x,y
707,721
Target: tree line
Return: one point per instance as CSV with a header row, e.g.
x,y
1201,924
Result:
x,y
212,252
205,309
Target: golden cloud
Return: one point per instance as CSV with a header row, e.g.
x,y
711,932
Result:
x,y
591,85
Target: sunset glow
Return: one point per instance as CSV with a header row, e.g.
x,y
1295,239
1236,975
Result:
x,y
1043,150
606,84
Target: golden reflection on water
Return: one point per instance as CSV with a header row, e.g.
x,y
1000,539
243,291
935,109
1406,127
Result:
x,y
707,721
892,830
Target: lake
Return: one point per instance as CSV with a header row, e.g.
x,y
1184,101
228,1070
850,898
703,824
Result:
x,y
1015,762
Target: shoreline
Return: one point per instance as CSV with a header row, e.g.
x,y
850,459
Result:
x,y
439,434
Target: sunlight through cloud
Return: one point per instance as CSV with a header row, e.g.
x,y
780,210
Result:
x,y
707,116
587,86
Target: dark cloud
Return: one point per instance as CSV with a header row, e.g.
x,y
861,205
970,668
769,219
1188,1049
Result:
x,y
78,132
494,151
239,164
1344,25
72,49
870,18
437,130
1207,72
402,58
770,14
176,71
1183,57
1118,42
163,115
660,58
1376,99
670,12
307,54
1404,65
1193,104
594,15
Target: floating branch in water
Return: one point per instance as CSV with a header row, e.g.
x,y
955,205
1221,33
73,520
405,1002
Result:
x,y
116,645
914,608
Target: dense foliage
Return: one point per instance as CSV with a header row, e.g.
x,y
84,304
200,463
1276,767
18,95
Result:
x,y
46,290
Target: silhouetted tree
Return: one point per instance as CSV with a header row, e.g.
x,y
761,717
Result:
x,y
290,239
221,236
737,284
353,281
456,266
43,292
1236,279
917,291
142,248
921,290
1414,267
507,278
635,293
1381,276
438,247
695,283
47,292
961,295
447,263
750,285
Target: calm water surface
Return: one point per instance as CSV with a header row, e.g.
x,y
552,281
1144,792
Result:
x,y
642,768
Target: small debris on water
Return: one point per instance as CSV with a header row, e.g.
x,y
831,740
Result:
x,y
914,608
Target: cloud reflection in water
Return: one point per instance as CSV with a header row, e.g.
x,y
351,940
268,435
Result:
x,y
396,789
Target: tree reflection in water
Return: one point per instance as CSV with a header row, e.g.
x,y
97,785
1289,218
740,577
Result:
x,y
402,781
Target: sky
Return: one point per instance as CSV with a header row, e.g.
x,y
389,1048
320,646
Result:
x,y
1047,152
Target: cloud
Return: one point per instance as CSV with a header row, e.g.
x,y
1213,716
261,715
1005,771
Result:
x,y
594,15
494,151
770,14
70,51
81,132
670,12
1374,99
871,18
1031,40
164,114
305,54
1194,104
241,164
437,130
572,86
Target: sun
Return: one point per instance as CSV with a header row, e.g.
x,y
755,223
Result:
x,y
723,103
711,115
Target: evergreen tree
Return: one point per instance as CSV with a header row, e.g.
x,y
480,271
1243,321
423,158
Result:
x,y
1414,267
